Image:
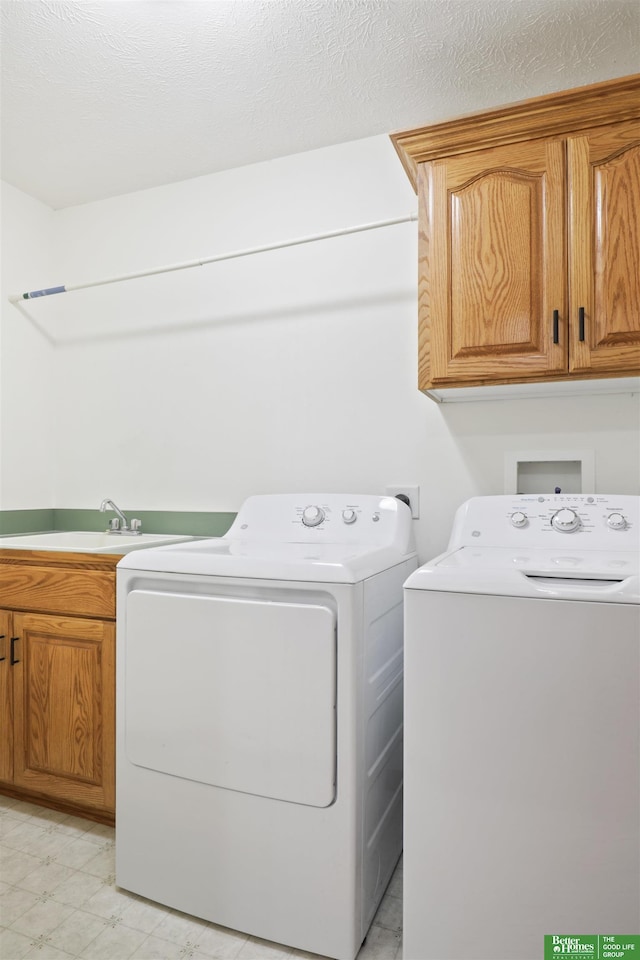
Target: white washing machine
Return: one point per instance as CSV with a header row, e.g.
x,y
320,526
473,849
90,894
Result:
x,y
260,719
522,729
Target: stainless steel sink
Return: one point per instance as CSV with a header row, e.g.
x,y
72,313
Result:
x,y
85,541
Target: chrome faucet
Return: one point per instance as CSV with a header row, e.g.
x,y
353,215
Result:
x,y
120,524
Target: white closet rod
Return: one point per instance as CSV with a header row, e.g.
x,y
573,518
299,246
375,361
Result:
x,y
66,288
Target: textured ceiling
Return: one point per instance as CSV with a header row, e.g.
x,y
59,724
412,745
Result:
x,y
102,98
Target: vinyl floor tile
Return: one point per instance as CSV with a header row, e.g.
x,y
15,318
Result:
x,y
14,945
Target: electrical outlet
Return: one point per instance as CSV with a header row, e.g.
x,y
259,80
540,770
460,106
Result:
x,y
413,493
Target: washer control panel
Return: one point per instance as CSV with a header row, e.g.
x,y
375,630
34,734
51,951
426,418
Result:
x,y
595,521
519,519
617,521
565,520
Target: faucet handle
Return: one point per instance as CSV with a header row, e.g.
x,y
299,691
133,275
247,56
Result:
x,y
136,526
114,525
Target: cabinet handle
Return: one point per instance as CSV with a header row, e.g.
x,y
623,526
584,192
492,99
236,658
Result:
x,y
3,657
556,320
12,658
581,324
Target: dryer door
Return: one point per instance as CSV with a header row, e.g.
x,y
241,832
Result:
x,y
235,693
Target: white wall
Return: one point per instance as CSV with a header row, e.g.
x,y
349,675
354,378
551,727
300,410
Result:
x,y
26,411
287,371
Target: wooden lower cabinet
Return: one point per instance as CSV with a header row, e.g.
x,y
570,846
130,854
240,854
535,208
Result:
x,y
63,687
57,706
6,698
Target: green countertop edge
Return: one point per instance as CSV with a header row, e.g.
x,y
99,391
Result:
x,y
189,523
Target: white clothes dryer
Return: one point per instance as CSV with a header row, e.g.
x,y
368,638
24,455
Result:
x,y
260,719
522,729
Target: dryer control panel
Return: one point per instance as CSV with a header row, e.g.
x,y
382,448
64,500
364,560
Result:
x,y
358,519
592,521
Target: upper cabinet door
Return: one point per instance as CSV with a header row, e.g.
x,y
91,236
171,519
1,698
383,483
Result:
x,y
493,295
604,211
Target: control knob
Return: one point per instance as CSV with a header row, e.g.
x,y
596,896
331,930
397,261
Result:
x,y
518,519
312,516
616,521
349,516
565,520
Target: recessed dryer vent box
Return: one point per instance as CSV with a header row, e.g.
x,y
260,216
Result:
x,y
547,471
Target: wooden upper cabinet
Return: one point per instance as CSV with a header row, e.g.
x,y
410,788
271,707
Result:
x,y
604,179
492,263
529,247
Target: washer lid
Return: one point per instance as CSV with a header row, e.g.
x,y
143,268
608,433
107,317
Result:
x,y
553,574
319,562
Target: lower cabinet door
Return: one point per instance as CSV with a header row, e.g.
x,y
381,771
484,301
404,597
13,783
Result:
x,y
64,727
6,698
